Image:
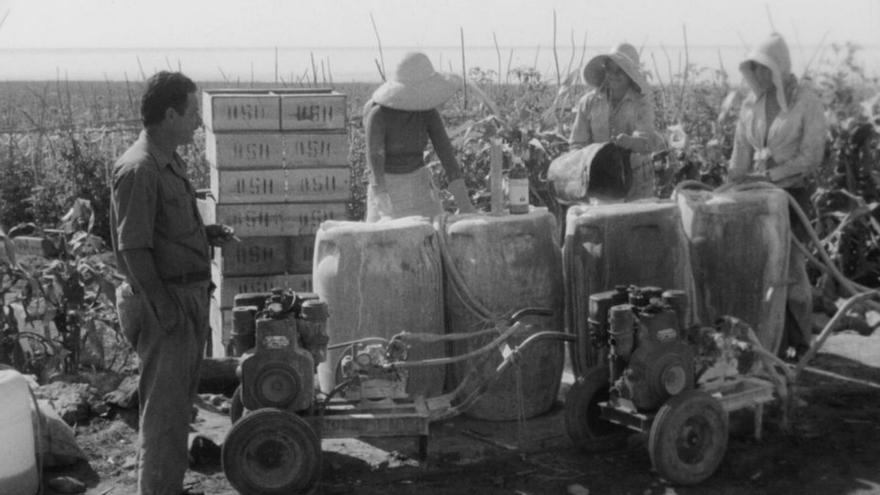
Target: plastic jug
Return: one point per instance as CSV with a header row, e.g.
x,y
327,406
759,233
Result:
x,y
380,279
739,244
507,263
639,243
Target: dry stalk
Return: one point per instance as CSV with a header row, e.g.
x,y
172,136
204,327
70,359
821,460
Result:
x,y
329,72
497,55
314,69
684,79
141,68
816,53
657,73
583,51
379,68
222,74
668,63
770,17
571,58
555,53
463,69
380,64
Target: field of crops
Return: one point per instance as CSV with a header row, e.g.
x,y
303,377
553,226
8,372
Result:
x,y
59,139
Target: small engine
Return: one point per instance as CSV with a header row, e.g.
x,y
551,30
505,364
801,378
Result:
x,y
290,340
365,371
648,357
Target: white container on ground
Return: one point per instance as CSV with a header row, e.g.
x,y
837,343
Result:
x,y
18,466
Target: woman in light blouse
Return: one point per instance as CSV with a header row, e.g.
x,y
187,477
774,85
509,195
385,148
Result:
x,y
619,109
780,138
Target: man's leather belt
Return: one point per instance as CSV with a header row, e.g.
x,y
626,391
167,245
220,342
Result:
x,y
188,278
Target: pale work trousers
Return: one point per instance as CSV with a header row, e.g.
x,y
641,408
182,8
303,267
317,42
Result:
x,y
169,374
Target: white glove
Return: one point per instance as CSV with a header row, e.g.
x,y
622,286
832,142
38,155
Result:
x,y
382,200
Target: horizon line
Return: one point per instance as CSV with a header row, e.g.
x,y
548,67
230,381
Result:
x,y
41,49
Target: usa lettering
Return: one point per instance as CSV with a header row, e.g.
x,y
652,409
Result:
x,y
251,151
314,113
317,184
312,148
246,112
254,255
254,186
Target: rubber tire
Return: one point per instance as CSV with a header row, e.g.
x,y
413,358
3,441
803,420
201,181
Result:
x,y
688,437
236,406
583,424
272,452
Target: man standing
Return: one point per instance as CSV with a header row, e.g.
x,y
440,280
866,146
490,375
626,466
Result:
x,y
161,248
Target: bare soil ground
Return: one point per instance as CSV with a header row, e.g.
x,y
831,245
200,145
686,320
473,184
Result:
x,y
832,447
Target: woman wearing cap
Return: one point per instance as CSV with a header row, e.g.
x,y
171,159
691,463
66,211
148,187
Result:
x,y
619,109
780,138
399,119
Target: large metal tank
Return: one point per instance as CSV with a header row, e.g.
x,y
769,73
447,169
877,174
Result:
x,y
506,263
380,279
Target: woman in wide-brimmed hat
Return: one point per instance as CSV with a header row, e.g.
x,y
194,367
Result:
x,y
399,119
619,109
780,138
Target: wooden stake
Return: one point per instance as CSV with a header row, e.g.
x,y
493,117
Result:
x,y
463,68
496,163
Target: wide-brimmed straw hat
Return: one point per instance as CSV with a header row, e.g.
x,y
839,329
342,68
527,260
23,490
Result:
x,y
415,85
626,57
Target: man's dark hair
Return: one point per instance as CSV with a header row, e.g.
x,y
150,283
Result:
x,y
165,90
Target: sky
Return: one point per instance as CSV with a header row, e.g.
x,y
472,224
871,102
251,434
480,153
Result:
x,y
55,24
115,39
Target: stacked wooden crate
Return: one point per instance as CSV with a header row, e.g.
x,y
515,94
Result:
x,y
279,167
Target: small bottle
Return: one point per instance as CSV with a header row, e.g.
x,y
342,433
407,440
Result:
x,y
518,188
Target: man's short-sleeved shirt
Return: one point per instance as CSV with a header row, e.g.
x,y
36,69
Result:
x,y
153,206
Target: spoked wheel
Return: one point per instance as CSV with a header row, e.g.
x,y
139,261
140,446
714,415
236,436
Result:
x,y
272,452
236,406
583,422
688,437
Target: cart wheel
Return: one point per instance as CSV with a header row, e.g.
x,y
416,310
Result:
x,y
688,437
236,407
272,452
586,429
